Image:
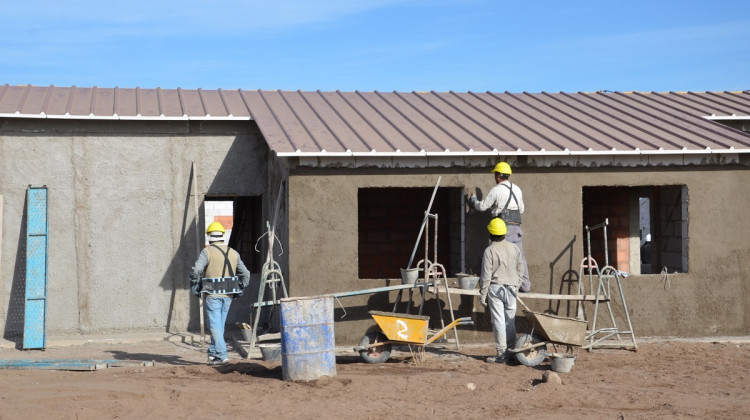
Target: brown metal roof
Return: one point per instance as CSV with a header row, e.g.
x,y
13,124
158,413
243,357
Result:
x,y
432,123
116,103
297,123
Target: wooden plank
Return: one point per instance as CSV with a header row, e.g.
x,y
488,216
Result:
x,y
475,292
360,292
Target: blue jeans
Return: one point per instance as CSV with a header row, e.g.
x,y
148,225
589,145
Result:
x,y
217,309
502,303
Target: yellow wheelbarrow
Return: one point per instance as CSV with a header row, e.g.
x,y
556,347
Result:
x,y
375,345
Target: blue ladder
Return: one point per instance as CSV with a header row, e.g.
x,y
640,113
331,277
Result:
x,y
35,314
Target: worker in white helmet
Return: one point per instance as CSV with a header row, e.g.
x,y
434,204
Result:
x,y
505,200
218,261
502,269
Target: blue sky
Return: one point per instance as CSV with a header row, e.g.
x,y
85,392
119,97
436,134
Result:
x,y
404,45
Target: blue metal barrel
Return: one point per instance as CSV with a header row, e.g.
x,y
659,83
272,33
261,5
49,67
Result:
x,y
308,347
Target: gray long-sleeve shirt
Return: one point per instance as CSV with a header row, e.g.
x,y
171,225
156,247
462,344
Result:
x,y
501,264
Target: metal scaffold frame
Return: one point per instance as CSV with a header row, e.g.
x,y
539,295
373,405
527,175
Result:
x,y
597,336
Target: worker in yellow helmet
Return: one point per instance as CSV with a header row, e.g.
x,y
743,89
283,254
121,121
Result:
x,y
502,269
505,200
218,262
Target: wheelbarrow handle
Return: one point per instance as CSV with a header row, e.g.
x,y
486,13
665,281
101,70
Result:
x,y
460,321
518,298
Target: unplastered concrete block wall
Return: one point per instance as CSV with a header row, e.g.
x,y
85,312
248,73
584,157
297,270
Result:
x,y
673,217
123,232
711,299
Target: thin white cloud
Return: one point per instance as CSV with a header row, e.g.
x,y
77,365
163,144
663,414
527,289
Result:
x,y
189,16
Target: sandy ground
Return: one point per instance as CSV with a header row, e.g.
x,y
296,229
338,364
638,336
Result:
x,y
663,379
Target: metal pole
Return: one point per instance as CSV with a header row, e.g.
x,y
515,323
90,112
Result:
x,y
202,300
426,215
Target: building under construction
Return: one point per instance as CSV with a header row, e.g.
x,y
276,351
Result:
x,y
128,174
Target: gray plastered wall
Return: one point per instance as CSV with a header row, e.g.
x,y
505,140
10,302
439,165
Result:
x,y
121,211
710,299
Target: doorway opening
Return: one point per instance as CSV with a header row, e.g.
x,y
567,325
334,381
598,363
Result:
x,y
241,218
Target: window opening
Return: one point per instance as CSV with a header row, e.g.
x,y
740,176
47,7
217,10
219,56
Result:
x,y
648,227
388,225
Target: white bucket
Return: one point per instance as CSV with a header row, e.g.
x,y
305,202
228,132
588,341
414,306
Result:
x,y
562,362
409,276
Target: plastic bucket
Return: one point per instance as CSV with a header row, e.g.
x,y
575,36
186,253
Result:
x,y
562,362
308,347
409,276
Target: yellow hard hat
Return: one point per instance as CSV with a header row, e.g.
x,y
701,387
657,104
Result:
x,y
502,168
216,227
497,227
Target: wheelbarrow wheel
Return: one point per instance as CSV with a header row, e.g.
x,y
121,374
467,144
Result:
x,y
533,356
377,354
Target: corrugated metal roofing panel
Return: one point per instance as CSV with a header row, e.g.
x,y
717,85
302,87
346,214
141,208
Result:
x,y
275,134
170,103
57,101
324,105
148,103
103,102
212,103
724,104
672,115
33,100
234,103
368,137
376,131
540,136
671,137
454,123
113,103
315,128
79,102
589,132
422,123
436,137
396,125
508,139
611,131
295,129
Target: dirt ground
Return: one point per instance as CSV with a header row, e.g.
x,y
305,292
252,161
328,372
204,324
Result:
x,y
663,379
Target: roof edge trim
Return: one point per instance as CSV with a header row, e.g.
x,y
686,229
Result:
x,y
727,117
124,117
516,153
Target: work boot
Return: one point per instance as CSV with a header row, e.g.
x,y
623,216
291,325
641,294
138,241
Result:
x,y
497,359
215,361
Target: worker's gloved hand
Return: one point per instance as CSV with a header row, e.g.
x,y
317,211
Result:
x,y
195,288
483,301
473,200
